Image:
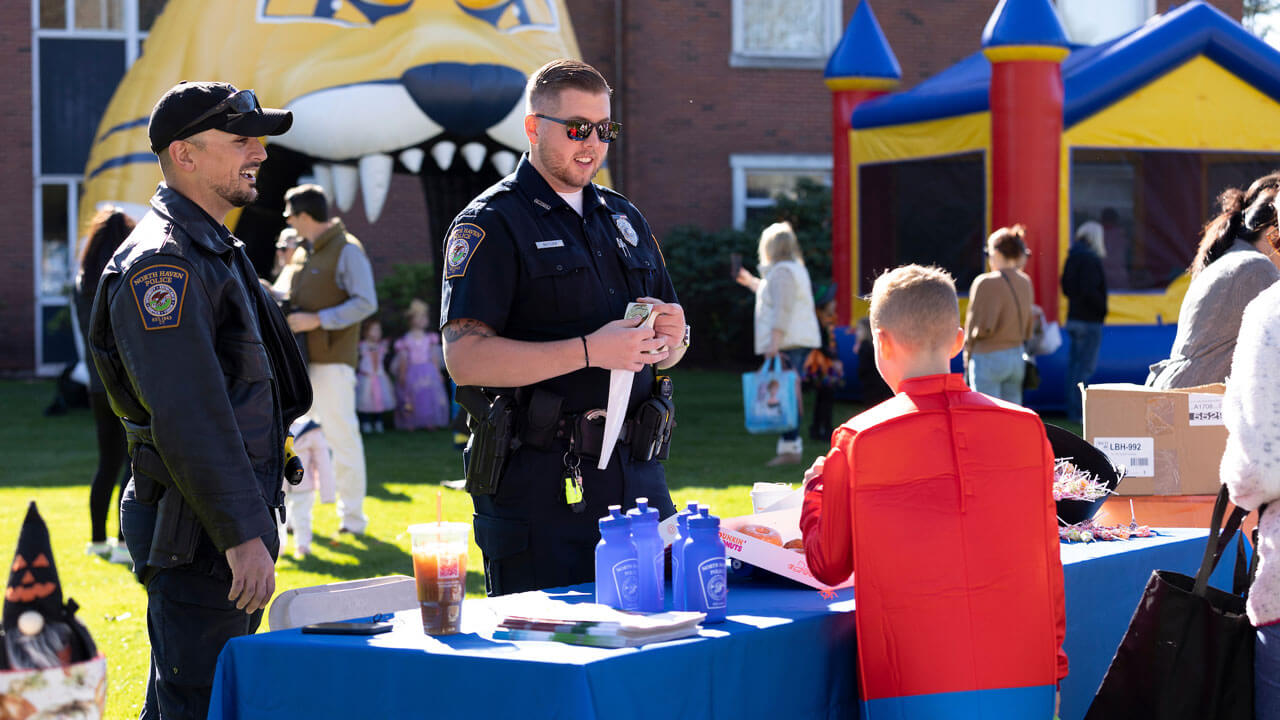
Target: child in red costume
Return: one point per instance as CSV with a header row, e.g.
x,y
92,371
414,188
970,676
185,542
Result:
x,y
939,501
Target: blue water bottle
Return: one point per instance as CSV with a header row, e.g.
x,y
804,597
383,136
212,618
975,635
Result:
x,y
678,601
644,533
617,581
706,586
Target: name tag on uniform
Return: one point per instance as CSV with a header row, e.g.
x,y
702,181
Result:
x,y
547,244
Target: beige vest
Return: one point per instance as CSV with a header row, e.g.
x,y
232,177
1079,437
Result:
x,y
313,286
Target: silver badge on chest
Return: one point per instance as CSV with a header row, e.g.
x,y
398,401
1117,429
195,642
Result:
x,y
624,227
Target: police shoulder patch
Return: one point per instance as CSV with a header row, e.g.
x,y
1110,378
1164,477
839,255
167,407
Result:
x,y
460,247
159,291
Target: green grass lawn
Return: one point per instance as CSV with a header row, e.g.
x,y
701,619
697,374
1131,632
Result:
x,y
51,460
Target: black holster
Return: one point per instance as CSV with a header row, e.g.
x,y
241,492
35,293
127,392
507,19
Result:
x,y
492,423
177,529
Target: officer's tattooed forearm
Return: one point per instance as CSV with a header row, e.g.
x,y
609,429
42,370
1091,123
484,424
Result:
x,y
459,329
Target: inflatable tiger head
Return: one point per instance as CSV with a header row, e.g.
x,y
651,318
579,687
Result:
x,y
374,85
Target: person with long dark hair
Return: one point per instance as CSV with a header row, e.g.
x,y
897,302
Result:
x,y
1236,259
108,229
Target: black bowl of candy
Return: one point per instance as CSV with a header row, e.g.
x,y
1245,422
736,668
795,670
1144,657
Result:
x,y
1083,476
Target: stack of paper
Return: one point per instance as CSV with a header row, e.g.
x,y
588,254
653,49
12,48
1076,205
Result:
x,y
595,625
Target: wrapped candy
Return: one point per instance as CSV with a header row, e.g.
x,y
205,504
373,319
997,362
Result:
x,y
1073,483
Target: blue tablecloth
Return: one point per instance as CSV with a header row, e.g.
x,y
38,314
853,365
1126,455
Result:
x,y
786,652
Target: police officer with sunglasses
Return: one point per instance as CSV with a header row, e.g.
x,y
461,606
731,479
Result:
x,y
200,365
539,270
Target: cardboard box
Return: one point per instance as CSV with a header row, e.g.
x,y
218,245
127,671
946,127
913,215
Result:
x,y
759,553
1170,442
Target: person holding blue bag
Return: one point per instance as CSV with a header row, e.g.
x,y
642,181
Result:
x,y
786,329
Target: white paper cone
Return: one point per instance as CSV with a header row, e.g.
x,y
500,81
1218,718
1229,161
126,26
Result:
x,y
619,392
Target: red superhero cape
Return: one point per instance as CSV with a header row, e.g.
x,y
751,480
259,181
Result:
x,y
960,608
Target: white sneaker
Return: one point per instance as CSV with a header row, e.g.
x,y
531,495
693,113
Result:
x,y
101,549
120,554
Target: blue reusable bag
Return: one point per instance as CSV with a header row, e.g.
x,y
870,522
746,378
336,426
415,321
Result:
x,y
769,398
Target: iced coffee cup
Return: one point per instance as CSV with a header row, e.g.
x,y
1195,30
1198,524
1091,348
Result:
x,y
440,568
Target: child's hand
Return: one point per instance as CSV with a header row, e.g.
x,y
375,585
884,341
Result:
x,y
815,470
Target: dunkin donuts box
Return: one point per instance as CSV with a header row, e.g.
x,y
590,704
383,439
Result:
x,y
1169,442
743,542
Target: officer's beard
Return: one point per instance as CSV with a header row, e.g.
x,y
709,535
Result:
x,y
235,194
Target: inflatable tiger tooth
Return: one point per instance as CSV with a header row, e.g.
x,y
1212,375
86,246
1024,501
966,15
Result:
x,y
369,82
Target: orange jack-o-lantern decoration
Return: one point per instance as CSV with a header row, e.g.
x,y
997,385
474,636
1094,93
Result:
x,y
25,587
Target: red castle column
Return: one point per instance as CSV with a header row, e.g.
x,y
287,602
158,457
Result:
x,y
1026,44
861,68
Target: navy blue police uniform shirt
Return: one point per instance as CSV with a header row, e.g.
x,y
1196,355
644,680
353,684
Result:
x,y
522,261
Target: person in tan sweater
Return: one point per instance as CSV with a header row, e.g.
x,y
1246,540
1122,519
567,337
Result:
x,y
999,318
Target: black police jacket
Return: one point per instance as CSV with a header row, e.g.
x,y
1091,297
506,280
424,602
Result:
x,y
199,364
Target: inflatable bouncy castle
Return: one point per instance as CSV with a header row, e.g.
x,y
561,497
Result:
x,y
1138,133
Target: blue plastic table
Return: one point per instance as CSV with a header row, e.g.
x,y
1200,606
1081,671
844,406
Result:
x,y
786,652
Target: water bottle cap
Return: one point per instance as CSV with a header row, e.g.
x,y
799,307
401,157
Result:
x,y
643,512
692,507
615,518
704,521
705,511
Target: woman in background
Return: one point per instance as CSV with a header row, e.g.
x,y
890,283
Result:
x,y
1084,282
108,229
785,321
999,319
1234,262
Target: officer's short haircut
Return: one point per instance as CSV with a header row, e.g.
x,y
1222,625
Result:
x,y
543,89
308,199
917,305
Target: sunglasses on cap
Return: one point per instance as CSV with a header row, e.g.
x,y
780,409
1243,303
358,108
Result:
x,y
580,130
239,102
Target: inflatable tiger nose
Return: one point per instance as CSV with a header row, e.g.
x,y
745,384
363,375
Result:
x,y
375,86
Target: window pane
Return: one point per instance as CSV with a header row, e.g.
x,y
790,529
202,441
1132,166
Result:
x,y
922,211
148,10
55,261
790,27
1103,190
53,14
768,184
99,14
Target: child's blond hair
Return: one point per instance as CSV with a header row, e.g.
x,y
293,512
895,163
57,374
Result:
x,y
917,305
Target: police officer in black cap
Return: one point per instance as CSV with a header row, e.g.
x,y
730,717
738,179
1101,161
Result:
x,y
539,270
200,365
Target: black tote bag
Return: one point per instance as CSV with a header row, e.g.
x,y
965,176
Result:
x,y
1188,652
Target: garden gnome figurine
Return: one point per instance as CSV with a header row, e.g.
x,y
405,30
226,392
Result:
x,y
39,630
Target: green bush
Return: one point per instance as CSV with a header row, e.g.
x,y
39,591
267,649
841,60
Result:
x,y
721,311
406,282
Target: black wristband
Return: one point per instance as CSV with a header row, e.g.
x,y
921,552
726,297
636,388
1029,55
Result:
x,y
586,357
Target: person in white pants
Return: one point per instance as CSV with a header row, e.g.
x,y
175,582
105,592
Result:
x,y
329,286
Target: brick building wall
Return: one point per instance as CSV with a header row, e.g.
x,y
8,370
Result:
x,y
684,108
17,348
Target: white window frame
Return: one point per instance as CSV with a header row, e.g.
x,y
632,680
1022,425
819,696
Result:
x,y
741,58
132,37
741,164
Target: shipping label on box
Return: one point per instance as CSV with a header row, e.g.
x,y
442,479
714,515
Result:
x,y
1169,441
1135,456
1204,409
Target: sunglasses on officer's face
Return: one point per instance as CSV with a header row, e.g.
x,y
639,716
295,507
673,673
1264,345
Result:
x,y
580,130
241,102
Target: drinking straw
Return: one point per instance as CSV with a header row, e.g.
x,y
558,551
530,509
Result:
x,y
440,507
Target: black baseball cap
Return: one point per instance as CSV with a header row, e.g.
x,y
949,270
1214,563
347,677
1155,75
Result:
x,y
192,107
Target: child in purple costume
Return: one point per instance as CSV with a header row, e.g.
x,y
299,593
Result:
x,y
374,394
422,401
